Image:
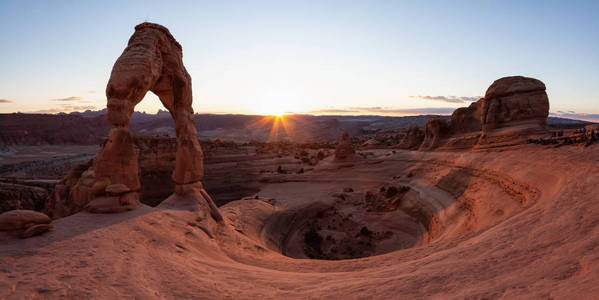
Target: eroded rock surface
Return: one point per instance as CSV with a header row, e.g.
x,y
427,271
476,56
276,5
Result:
x,y
413,139
513,109
514,106
435,132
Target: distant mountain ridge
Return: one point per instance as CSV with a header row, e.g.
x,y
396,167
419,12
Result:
x,y
89,127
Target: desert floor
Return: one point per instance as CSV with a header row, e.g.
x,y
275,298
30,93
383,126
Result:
x,y
516,224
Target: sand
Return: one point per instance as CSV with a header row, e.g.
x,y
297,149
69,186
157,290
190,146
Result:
x,y
517,224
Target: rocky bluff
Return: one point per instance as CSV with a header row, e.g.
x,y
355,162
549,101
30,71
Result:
x,y
513,109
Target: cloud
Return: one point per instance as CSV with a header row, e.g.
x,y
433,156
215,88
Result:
x,y
449,99
377,110
6,101
578,116
48,111
72,98
67,109
333,111
409,111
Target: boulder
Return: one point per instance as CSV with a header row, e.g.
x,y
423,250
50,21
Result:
x,y
117,189
113,204
21,219
36,230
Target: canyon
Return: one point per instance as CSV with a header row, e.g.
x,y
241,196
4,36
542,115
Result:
x,y
488,203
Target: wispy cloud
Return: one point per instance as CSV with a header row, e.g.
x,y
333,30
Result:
x,y
387,111
410,111
574,115
48,111
64,109
6,101
72,98
449,99
333,111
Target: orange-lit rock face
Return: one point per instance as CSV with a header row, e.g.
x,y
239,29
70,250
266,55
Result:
x,y
134,73
515,99
436,130
153,62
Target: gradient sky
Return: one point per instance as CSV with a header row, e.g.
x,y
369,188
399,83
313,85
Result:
x,y
375,57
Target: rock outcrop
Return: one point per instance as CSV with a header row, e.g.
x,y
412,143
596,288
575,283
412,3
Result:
x,y
73,192
345,150
24,223
413,139
464,127
18,196
467,119
513,109
435,132
153,62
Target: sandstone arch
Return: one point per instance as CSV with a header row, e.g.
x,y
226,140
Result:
x,y
152,61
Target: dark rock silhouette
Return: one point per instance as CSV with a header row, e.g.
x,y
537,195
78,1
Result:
x,y
413,138
345,150
435,132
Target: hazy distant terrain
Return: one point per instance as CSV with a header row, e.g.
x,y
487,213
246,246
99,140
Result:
x,y
88,128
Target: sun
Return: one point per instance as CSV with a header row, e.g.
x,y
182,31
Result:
x,y
274,111
278,104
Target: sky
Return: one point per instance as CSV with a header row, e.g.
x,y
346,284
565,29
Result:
x,y
318,57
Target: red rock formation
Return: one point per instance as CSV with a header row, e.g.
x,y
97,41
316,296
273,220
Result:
x,y
413,139
513,108
467,119
345,150
153,62
73,192
117,162
465,127
436,131
25,223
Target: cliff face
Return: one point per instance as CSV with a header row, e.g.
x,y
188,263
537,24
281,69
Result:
x,y
230,175
413,138
513,109
435,132
41,129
